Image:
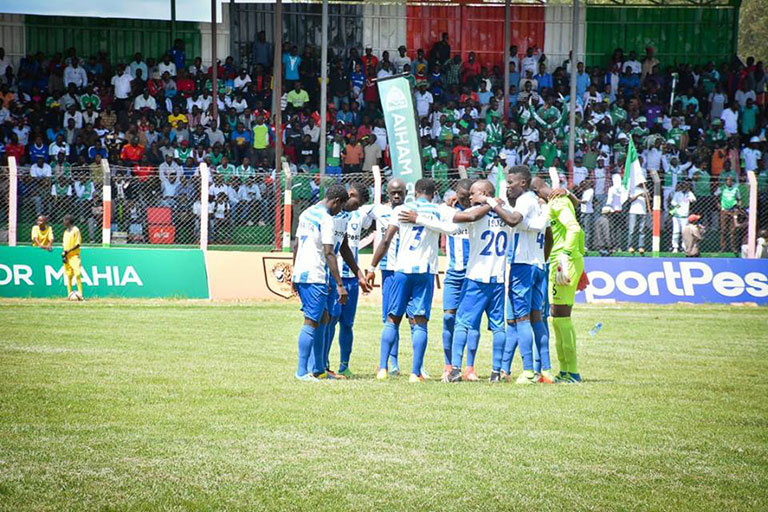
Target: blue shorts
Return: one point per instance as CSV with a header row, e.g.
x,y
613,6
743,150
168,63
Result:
x,y
411,294
453,284
314,299
540,299
386,291
481,298
333,169
349,309
521,285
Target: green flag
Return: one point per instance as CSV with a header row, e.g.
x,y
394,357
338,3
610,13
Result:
x,y
402,133
633,173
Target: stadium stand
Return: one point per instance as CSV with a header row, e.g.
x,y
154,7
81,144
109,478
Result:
x,y
701,126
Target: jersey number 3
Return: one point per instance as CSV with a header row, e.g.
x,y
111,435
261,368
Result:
x,y
418,230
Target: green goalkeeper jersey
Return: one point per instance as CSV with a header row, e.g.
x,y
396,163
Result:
x,y
567,235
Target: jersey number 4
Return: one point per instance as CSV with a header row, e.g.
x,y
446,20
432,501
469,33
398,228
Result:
x,y
540,240
497,242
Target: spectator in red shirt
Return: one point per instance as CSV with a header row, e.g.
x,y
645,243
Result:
x,y
470,70
185,86
132,153
143,171
16,150
370,62
462,155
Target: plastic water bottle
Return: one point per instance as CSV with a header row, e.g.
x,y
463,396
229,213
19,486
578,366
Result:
x,y
596,329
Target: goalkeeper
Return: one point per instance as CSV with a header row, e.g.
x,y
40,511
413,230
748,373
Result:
x,y
566,265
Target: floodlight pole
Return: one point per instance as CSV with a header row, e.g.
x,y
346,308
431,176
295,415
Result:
x,y
323,87
505,58
214,66
574,71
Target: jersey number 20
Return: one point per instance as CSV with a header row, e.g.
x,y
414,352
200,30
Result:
x,y
497,242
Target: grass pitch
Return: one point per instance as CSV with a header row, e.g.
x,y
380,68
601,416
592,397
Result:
x,y
180,405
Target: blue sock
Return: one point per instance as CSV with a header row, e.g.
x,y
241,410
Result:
x,y
499,342
525,335
449,322
541,337
306,337
510,345
330,333
345,345
394,350
388,335
318,348
473,340
460,335
419,340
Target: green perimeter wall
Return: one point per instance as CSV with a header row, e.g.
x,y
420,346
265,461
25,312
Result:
x,y
685,34
137,273
121,38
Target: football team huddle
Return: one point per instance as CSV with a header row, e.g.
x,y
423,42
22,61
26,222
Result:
x,y
515,261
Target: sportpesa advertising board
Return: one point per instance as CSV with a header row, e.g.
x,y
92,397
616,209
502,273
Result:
x,y
670,280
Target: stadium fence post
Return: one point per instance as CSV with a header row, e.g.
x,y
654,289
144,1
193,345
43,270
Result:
x,y
106,198
13,177
278,210
203,206
656,248
752,219
288,210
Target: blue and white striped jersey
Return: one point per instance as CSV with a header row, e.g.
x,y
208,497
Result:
x,y
488,240
418,245
457,243
382,213
359,220
527,246
316,228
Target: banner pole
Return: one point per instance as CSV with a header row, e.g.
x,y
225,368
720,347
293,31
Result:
x,y
106,201
13,177
752,219
203,206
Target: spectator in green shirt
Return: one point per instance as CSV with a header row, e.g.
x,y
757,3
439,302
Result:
x,y
260,139
298,97
730,200
748,118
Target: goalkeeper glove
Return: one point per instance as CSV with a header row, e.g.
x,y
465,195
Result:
x,y
562,275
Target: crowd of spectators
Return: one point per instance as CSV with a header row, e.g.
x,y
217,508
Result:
x,y
700,126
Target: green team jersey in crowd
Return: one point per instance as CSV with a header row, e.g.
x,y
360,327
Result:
x,y
567,235
494,134
549,152
428,155
702,183
676,134
729,197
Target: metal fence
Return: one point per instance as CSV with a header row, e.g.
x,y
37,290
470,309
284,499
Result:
x,y
162,206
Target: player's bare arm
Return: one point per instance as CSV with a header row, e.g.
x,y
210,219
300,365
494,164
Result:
x,y
333,266
510,218
380,251
548,241
349,259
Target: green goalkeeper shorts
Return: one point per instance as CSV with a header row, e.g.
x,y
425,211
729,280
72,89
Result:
x,y
565,295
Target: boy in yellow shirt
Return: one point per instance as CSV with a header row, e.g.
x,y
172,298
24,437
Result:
x,y
70,254
42,234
